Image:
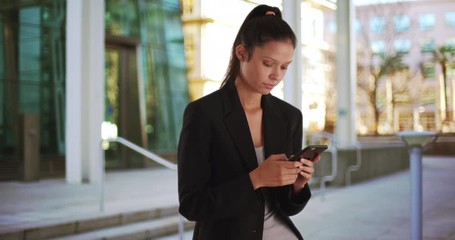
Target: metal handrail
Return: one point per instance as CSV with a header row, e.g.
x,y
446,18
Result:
x,y
333,149
355,167
145,153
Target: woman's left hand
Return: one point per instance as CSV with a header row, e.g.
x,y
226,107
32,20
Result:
x,y
306,172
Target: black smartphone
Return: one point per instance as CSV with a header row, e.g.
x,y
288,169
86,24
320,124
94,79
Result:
x,y
309,152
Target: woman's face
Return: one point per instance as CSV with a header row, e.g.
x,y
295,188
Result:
x,y
262,71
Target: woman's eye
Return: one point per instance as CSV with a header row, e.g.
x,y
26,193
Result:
x,y
284,67
268,64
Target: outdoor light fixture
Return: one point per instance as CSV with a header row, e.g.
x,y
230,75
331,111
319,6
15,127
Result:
x,y
415,142
418,139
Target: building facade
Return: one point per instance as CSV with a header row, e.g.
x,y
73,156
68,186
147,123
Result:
x,y
416,98
45,97
210,28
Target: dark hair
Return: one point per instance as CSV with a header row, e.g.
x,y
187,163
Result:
x,y
259,27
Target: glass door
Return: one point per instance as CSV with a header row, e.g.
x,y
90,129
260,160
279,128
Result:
x,y
122,105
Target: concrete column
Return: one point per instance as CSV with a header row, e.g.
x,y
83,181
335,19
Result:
x,y
84,89
293,80
292,83
345,131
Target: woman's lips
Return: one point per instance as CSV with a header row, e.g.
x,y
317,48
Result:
x,y
269,86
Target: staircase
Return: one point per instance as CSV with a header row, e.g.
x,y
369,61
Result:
x,y
142,224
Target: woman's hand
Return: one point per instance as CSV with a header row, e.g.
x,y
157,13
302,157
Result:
x,y
306,172
276,171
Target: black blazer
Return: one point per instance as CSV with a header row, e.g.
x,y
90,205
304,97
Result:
x,y
215,155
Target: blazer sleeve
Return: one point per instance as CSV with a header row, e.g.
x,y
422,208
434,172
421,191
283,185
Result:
x,y
291,203
200,199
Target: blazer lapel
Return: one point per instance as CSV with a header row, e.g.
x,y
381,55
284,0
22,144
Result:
x,y
237,125
274,127
235,121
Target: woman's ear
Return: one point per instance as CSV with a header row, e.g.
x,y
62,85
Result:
x,y
240,52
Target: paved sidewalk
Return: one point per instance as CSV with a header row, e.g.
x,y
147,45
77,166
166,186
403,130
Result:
x,y
380,209
377,209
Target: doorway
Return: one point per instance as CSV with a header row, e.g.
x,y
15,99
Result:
x,y
122,101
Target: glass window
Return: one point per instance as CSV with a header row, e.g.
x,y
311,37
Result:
x,y
450,19
428,70
401,23
402,46
427,21
121,18
427,46
377,24
451,42
357,26
30,40
332,27
158,27
33,76
378,47
313,25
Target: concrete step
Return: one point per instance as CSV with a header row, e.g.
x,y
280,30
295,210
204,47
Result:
x,y
187,235
79,225
150,229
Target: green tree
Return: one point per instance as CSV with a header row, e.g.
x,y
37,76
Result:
x,y
377,58
444,55
388,64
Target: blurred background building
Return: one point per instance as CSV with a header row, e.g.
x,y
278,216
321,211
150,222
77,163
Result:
x,y
145,83
160,54
405,60
405,64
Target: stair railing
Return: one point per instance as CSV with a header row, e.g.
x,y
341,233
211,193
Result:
x,y
332,148
356,167
145,153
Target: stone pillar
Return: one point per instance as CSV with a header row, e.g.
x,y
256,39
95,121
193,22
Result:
x,y
84,89
345,131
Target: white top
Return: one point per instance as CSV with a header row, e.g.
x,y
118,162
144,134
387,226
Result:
x,y
274,227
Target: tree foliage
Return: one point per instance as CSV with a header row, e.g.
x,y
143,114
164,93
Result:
x,y
375,67
444,55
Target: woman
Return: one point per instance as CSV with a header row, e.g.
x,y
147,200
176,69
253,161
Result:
x,y
234,177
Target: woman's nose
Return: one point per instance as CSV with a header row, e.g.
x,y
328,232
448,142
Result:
x,y
277,74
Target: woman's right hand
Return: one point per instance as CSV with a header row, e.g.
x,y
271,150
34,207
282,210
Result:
x,y
275,171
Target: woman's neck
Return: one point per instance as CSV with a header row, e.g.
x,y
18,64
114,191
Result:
x,y
250,100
